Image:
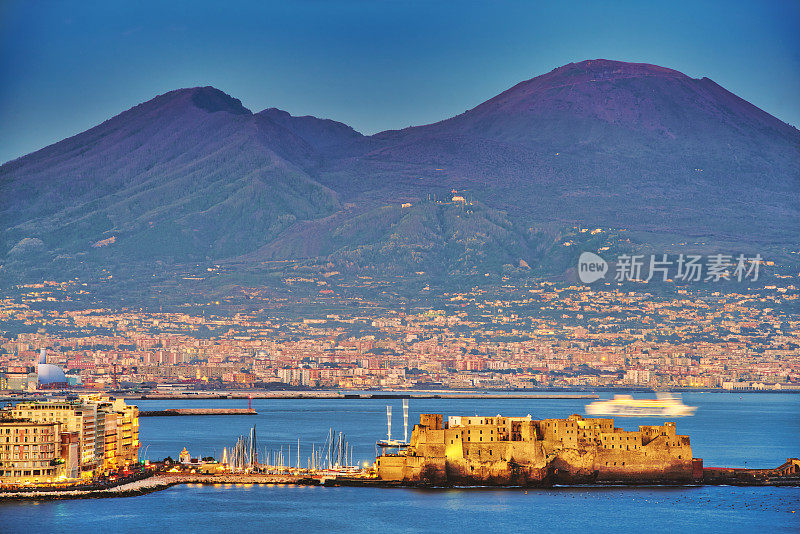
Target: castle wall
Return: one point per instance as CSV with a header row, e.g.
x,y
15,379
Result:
x,y
503,450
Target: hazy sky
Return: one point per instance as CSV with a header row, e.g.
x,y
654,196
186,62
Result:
x,y
375,65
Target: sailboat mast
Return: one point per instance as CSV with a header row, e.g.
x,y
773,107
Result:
x,y
330,448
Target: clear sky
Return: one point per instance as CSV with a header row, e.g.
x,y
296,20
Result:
x,y
375,65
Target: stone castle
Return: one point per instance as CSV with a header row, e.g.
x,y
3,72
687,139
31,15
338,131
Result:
x,y
521,451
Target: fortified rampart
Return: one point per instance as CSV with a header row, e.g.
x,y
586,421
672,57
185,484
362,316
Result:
x,y
522,451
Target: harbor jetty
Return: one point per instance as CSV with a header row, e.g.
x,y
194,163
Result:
x,y
197,411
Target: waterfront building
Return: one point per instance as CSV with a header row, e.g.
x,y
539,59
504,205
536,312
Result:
x,y
107,429
30,452
521,450
71,455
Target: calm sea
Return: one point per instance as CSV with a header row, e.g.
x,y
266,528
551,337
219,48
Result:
x,y
752,430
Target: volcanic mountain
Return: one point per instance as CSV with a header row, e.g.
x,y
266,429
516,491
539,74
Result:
x,y
612,144
189,174
192,175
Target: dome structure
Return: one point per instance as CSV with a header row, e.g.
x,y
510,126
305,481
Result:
x,y
50,374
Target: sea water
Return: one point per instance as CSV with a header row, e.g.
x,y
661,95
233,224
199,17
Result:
x,y
735,430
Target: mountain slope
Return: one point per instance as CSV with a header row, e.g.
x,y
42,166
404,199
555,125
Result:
x,y
189,174
610,143
192,175
324,135
440,239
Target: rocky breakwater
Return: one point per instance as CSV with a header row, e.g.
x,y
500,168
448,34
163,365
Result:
x,y
129,489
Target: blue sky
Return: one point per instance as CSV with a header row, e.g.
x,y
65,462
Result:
x,y
375,65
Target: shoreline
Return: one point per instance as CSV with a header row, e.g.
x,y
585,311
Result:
x,y
552,394
130,489
164,481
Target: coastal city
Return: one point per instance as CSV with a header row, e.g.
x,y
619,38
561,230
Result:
x,y
357,266
527,335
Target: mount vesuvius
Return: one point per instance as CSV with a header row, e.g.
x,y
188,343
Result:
x,y
193,176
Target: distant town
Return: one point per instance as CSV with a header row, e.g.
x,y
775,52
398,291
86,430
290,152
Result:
x,y
523,335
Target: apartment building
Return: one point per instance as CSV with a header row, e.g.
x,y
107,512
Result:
x,y
30,452
107,429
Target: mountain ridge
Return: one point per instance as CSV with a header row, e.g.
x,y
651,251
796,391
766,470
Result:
x,y
193,175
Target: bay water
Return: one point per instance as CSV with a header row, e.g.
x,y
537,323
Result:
x,y
729,429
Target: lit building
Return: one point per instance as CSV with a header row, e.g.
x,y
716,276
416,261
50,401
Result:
x,y
20,381
107,429
30,452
